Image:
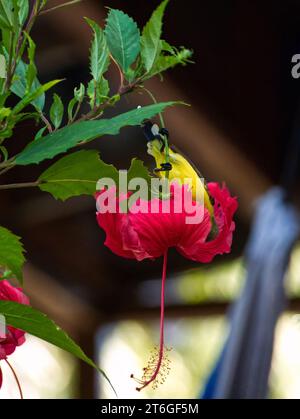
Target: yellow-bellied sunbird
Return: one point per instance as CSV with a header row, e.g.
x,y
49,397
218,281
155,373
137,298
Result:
x,y
175,163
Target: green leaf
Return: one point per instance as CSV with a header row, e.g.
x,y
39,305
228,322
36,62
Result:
x,y
123,38
31,68
20,84
165,62
40,133
11,252
32,96
56,111
78,98
138,170
150,41
67,137
6,14
99,54
76,174
71,105
23,9
165,46
98,92
38,324
79,92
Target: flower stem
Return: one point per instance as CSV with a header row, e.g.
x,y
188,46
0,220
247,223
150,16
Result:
x,y
16,378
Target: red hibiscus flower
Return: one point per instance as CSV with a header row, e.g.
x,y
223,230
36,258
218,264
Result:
x,y
149,235
13,337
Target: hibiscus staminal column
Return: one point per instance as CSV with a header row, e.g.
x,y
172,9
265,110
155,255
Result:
x,y
16,379
158,365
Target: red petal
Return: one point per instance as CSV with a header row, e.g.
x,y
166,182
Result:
x,y
224,209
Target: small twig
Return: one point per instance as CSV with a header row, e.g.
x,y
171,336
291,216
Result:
x,y
121,86
47,123
20,185
5,170
69,3
98,109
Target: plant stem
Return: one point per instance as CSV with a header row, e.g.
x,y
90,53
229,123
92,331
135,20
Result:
x,y
162,122
59,6
5,170
20,185
47,123
16,378
104,105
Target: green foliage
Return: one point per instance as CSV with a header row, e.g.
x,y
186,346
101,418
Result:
x,y
32,96
98,92
138,58
23,9
6,14
11,252
150,42
60,141
77,100
76,174
167,61
38,324
56,111
19,86
123,38
79,93
138,170
99,54
31,68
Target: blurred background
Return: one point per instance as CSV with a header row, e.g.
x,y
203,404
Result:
x,y
244,101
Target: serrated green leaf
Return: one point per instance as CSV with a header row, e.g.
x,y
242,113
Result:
x,y
99,53
67,137
38,324
165,62
19,85
56,111
76,174
123,38
150,41
11,252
